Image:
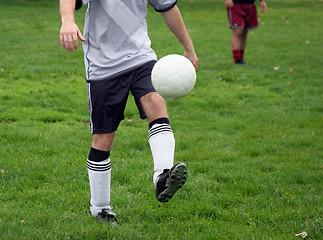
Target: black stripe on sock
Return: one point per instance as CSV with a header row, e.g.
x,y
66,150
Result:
x,y
159,129
160,121
98,167
99,170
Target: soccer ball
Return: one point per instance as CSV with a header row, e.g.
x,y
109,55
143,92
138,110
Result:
x,y
173,76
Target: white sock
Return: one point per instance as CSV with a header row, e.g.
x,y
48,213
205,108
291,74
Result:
x,y
162,145
99,178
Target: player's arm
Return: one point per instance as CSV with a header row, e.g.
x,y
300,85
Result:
x,y
228,3
69,32
263,6
174,21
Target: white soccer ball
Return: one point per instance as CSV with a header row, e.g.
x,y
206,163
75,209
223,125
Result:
x,y
173,76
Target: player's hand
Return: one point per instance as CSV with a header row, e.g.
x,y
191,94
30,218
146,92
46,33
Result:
x,y
263,6
192,57
228,3
69,35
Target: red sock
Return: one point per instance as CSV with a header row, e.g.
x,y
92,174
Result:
x,y
241,53
236,55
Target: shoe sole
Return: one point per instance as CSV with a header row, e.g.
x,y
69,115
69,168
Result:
x,y
176,180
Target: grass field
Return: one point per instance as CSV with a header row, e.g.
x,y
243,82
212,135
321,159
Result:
x,y
251,136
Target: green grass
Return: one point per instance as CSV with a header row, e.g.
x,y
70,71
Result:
x,y
251,136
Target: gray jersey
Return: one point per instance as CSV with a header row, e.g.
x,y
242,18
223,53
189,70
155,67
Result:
x,y
117,37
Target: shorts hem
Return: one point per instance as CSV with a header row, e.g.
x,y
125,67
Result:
x,y
251,28
244,28
236,27
101,131
149,91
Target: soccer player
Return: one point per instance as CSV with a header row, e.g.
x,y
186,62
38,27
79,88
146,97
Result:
x,y
243,17
118,58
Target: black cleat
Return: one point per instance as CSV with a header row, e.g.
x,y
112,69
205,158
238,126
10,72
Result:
x,y
170,181
241,63
108,216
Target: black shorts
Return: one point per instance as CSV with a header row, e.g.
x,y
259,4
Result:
x,y
108,97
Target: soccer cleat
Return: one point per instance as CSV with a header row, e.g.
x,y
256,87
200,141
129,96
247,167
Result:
x,y
107,215
170,181
241,63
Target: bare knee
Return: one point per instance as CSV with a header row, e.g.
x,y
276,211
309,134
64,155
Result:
x,y
152,98
237,32
244,33
103,141
154,106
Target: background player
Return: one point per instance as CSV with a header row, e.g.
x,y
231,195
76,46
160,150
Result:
x,y
243,17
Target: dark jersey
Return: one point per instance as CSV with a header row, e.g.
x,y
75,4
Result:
x,y
243,1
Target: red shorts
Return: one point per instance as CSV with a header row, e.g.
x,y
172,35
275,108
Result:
x,y
243,16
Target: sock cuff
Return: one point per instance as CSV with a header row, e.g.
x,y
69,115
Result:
x,y
161,128
102,166
159,121
236,55
96,155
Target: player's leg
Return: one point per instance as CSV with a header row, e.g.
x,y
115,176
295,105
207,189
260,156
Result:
x,y
153,107
236,43
106,112
167,178
243,43
160,134
251,22
99,172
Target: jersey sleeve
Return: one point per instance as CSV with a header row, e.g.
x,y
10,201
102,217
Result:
x,y
162,5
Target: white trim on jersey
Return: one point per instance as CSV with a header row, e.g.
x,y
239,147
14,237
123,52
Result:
x,y
88,87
